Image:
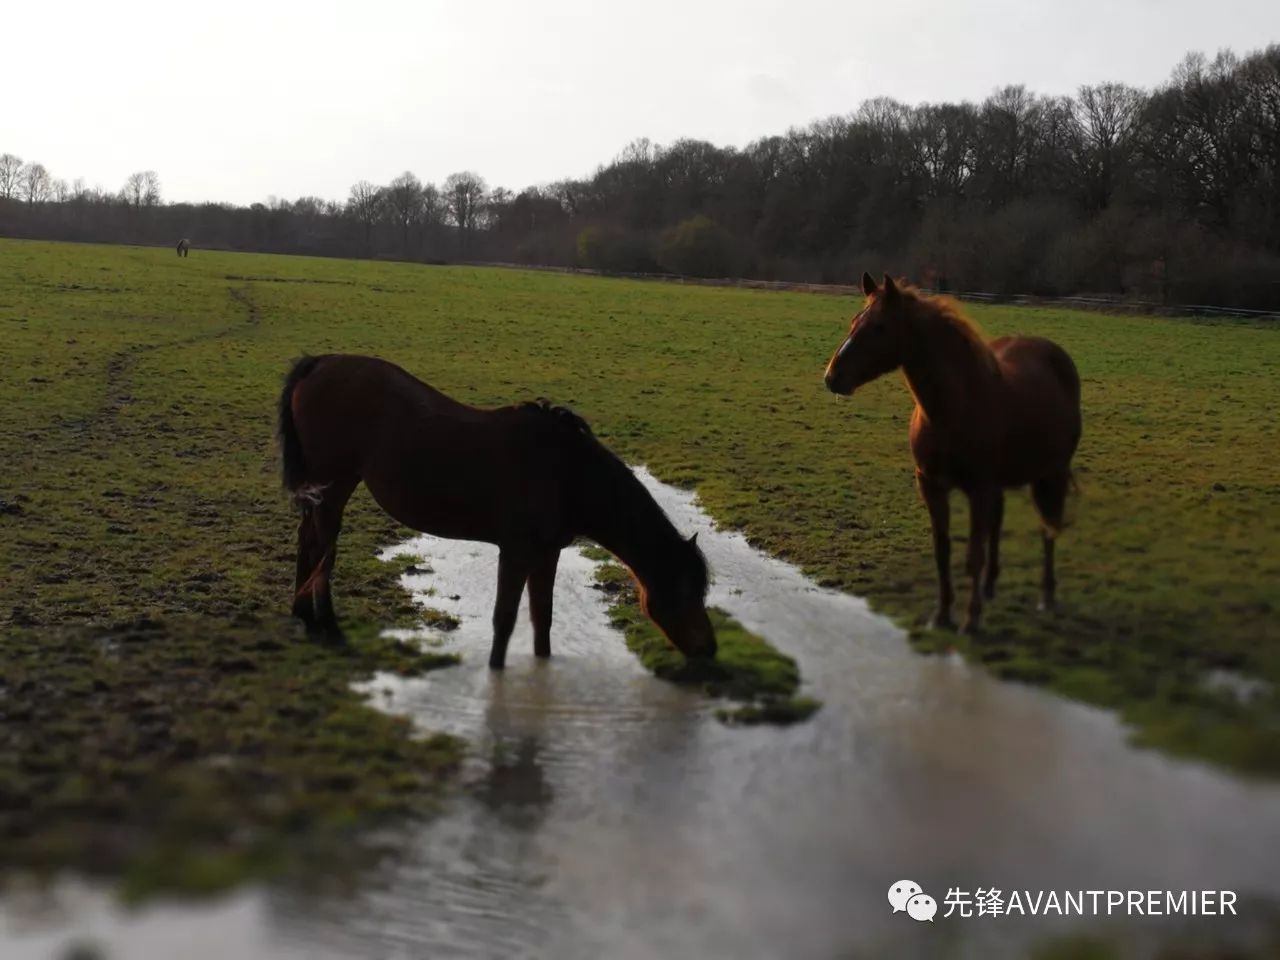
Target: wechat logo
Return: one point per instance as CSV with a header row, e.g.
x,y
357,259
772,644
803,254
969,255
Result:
x,y
906,895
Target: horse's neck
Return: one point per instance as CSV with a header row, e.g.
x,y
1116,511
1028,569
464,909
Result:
x,y
617,512
952,381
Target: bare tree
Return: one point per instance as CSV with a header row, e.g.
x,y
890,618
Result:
x,y
80,197
61,191
132,191
433,210
35,183
142,189
404,206
944,136
463,195
10,175
364,205
1009,123
1106,116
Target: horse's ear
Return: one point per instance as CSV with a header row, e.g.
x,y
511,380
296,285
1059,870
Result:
x,y
890,288
868,285
693,541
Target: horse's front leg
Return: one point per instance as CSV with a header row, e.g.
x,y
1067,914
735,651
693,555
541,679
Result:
x,y
513,572
936,498
542,581
981,506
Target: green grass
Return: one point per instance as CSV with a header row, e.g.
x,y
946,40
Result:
x,y
136,432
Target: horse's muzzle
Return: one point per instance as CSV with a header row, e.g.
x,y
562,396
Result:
x,y
707,651
835,385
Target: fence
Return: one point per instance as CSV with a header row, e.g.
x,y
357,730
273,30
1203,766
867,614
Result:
x,y
1096,302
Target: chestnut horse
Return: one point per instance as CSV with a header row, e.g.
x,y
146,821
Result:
x,y
529,478
988,416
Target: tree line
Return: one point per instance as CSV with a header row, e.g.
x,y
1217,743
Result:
x,y
1170,194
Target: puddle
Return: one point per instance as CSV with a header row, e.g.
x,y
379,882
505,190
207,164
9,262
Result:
x,y
606,813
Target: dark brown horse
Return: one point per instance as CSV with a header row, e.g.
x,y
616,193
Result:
x,y
988,416
529,478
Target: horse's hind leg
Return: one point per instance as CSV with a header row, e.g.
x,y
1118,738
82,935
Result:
x,y
1050,497
322,597
326,522
993,549
303,608
542,581
513,572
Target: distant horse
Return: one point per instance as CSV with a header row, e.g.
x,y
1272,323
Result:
x,y
988,416
529,478
184,247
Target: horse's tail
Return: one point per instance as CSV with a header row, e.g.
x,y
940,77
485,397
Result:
x,y
293,463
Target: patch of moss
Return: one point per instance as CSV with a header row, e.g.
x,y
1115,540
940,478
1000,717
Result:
x,y
439,620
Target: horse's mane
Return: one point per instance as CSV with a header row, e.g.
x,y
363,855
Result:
x,y
574,425
947,311
563,416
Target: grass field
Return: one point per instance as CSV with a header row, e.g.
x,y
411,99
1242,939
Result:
x,y
140,493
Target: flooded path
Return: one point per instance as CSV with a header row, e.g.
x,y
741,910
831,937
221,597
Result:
x,y
606,813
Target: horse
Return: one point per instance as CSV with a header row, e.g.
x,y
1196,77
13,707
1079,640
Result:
x,y
988,417
184,247
529,478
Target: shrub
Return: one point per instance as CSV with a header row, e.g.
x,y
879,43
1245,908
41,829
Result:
x,y
699,247
610,248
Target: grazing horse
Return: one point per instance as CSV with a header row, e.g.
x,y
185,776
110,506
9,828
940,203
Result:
x,y
988,416
529,478
184,247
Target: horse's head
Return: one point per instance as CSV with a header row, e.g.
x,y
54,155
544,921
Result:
x,y
876,339
676,600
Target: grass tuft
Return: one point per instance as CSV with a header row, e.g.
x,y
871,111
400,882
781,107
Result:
x,y
746,668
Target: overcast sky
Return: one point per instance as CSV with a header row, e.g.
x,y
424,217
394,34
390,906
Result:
x,y
236,101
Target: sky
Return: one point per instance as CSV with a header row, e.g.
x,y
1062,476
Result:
x,y
239,101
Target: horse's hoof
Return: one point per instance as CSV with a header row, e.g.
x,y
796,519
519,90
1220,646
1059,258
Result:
x,y
941,621
329,633
496,663
971,628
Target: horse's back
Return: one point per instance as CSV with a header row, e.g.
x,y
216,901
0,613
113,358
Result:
x,y
433,463
371,385
348,405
